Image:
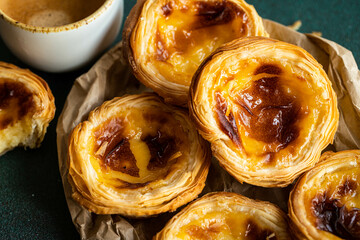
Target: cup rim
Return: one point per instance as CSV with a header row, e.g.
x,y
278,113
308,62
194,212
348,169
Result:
x,y
62,28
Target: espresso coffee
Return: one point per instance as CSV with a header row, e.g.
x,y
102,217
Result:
x,y
49,13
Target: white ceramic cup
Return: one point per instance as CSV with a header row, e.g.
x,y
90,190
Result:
x,y
63,48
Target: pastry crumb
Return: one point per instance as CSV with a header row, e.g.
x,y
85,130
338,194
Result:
x,y
319,34
296,25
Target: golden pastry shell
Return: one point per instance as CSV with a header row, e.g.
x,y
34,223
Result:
x,y
177,188
173,93
268,214
330,162
201,111
44,106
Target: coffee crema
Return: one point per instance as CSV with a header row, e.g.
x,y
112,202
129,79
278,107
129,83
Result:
x,y
49,13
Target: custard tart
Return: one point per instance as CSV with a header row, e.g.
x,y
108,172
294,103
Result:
x,y
166,40
225,215
26,108
325,202
267,107
137,157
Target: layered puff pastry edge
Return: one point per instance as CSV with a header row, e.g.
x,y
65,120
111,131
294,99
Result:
x,y
225,215
267,107
137,156
166,40
26,108
325,202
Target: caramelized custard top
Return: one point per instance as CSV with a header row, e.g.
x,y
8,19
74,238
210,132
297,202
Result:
x,y
227,123
263,108
139,147
16,101
268,113
187,33
226,224
334,204
161,149
334,217
115,152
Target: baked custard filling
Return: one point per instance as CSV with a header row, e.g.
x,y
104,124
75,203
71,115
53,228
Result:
x,y
137,147
16,102
335,203
188,31
225,225
267,109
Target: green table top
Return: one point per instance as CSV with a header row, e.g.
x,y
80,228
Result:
x,y
32,202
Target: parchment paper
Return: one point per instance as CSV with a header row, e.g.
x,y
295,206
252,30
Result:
x,y
111,77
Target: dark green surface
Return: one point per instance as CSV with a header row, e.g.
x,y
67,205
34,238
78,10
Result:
x,y
32,202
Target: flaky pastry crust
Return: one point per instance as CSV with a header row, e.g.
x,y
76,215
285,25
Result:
x,y
225,215
267,107
325,204
26,108
137,157
166,40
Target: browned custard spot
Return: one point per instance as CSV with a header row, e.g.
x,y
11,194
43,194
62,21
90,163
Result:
x,y
207,15
348,187
113,149
163,144
217,13
254,232
268,113
162,54
15,94
167,9
108,135
161,149
7,121
269,69
202,232
334,217
122,159
227,123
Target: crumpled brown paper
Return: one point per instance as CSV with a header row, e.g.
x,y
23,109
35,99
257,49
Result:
x,y
111,77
